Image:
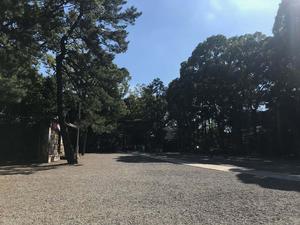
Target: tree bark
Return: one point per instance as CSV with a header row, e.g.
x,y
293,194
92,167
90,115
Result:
x,y
254,128
279,129
69,150
85,136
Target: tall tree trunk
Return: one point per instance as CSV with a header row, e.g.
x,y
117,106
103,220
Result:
x,y
69,150
85,136
279,129
237,134
221,137
254,128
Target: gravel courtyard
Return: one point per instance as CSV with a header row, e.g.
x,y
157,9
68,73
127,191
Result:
x,y
126,189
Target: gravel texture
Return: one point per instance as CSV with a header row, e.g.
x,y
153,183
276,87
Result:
x,y
123,189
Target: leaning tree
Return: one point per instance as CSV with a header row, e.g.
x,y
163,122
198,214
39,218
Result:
x,y
74,27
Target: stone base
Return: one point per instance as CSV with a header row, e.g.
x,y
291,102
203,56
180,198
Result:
x,y
53,158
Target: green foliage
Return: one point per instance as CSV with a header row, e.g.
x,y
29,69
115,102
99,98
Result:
x,y
76,42
10,91
21,86
241,94
99,89
147,111
286,28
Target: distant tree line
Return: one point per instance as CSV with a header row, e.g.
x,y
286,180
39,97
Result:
x,y
238,95
143,125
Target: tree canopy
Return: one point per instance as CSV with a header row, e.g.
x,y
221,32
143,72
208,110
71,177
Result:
x,y
75,41
240,94
235,95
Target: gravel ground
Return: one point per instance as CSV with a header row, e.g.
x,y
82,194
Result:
x,y
124,189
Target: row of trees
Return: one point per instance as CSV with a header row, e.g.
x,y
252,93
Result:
x,y
57,55
146,118
234,95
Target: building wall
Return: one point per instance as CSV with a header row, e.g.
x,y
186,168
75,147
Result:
x,y
29,143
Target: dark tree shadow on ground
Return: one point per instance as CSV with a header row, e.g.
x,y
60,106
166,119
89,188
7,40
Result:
x,y
244,176
138,159
255,163
270,183
27,169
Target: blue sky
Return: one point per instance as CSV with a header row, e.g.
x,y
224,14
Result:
x,y
169,30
